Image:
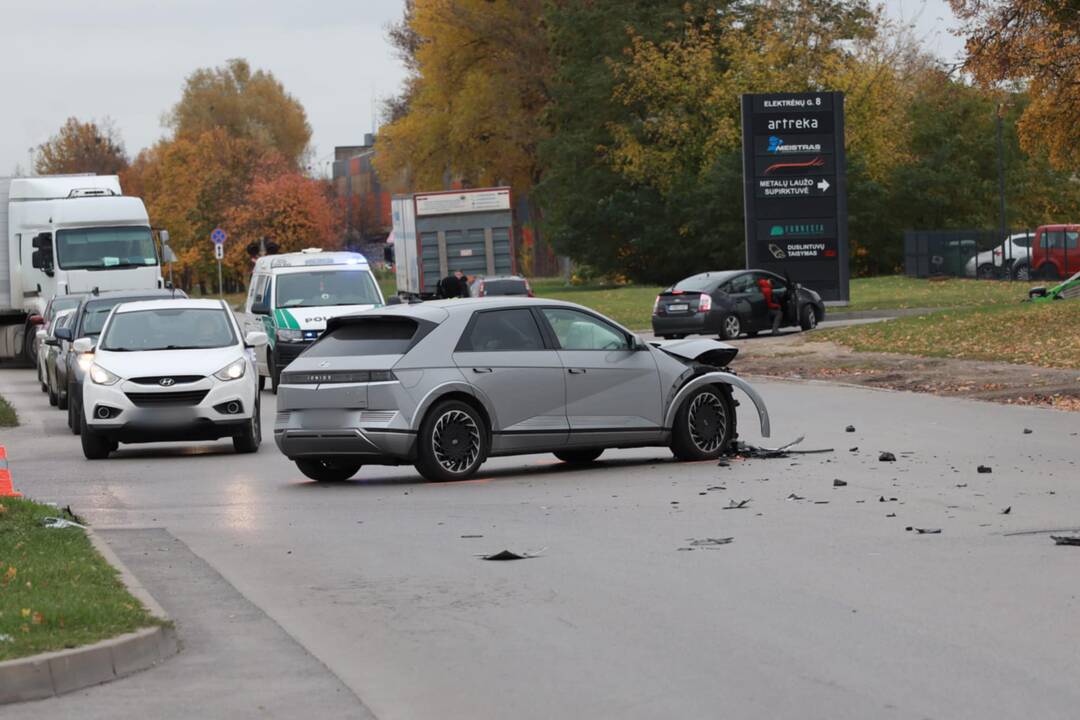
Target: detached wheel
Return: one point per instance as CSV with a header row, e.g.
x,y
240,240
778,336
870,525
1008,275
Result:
x,y
94,446
453,442
808,318
704,425
328,470
579,457
249,439
730,327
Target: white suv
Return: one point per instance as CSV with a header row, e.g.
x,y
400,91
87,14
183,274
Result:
x,y
170,370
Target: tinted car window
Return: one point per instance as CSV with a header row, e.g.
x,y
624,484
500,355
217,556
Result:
x,y
741,284
371,337
1022,242
502,330
505,287
580,331
697,283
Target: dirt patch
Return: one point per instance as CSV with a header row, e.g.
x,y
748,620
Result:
x,y
791,356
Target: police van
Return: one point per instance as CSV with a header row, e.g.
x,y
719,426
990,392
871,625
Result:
x,y
292,295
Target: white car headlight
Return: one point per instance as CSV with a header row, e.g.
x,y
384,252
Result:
x,y
233,371
85,361
101,376
290,335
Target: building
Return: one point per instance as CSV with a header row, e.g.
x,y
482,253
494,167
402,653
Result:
x,y
365,200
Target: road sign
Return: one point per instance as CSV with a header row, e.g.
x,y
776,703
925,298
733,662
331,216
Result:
x,y
218,236
795,188
219,251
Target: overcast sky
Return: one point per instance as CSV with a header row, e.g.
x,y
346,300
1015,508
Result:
x,y
127,59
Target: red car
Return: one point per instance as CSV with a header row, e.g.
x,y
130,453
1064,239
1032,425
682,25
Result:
x,y
1055,254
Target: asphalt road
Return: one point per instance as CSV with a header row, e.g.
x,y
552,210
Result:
x,y
814,610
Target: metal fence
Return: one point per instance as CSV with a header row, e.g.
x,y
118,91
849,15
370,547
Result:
x,y
977,254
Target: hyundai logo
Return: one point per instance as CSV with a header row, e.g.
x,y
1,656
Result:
x,y
166,382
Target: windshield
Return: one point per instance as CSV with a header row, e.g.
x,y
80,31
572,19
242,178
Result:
x,y
97,312
61,304
326,287
169,329
105,248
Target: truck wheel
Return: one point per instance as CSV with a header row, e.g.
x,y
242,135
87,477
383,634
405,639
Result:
x,y
704,425
327,470
94,446
452,443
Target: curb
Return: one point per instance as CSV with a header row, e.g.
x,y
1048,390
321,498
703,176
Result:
x,y
62,671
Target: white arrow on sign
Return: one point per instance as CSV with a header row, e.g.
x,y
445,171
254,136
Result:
x,y
823,185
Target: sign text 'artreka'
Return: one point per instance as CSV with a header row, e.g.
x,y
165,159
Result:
x,y
795,188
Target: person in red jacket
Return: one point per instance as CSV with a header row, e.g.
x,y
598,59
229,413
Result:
x,y
775,311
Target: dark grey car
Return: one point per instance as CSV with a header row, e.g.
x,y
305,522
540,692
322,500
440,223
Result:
x,y
445,385
89,318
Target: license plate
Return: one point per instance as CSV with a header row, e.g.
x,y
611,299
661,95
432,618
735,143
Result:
x,y
681,307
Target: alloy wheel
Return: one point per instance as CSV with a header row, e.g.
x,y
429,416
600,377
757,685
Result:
x,y
707,422
731,327
455,440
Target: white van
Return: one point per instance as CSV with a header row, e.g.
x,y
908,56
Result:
x,y
292,295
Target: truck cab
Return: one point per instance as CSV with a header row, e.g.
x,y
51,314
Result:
x,y
63,235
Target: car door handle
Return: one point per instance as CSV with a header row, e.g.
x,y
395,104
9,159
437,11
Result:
x,y
481,370
577,371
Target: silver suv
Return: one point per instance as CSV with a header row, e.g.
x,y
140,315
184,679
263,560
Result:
x,y
444,385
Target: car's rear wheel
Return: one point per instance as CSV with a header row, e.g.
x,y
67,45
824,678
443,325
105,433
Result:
x,y
328,470
579,457
452,443
808,318
248,439
94,446
730,327
1022,272
704,425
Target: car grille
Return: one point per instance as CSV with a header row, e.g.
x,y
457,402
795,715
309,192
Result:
x,y
177,379
160,399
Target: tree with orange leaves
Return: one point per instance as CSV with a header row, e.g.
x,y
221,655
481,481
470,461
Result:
x,y
1031,42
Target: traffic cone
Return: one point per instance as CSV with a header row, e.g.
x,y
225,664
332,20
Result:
x,y
6,488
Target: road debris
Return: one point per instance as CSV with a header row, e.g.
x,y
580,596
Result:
x,y
716,487
849,428
511,555
1066,539
886,457
56,523
928,531
984,469
740,505
854,449
709,542
793,496
469,537
891,515
1028,431
1007,510
839,483
744,450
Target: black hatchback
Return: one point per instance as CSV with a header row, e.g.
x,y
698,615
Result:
x,y
731,303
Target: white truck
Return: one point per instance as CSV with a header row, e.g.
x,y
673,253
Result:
x,y
436,233
66,234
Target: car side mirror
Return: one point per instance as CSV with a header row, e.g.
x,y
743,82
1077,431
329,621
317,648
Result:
x,y
255,338
83,345
164,235
168,255
636,344
63,334
393,300
260,306
51,341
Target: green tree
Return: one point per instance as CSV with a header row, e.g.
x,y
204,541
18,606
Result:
x,y
249,105
82,147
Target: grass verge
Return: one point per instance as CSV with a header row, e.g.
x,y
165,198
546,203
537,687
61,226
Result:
x,y
56,591
1043,334
8,416
896,292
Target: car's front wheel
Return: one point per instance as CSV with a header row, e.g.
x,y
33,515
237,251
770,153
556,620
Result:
x,y
986,272
730,327
704,425
248,439
328,470
74,413
62,398
275,375
579,457
53,397
452,443
94,446
808,318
